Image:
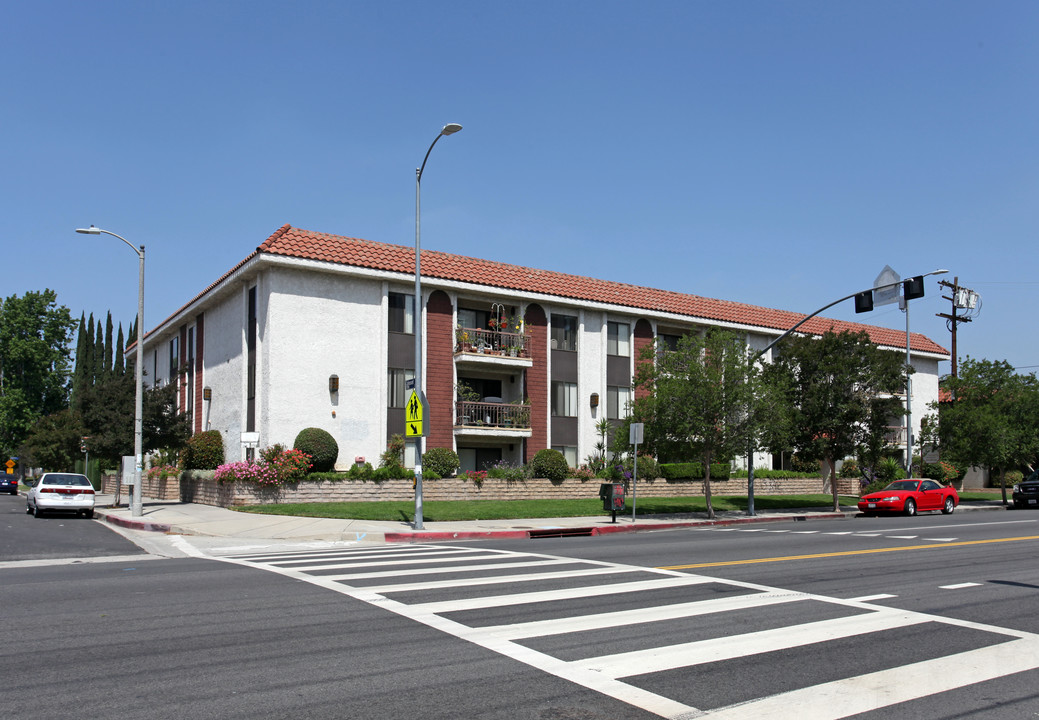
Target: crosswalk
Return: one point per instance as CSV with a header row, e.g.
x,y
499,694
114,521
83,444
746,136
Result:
x,y
649,636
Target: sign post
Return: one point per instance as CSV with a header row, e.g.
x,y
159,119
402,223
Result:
x,y
635,431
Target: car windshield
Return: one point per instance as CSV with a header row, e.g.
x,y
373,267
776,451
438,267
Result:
x,y
903,485
64,479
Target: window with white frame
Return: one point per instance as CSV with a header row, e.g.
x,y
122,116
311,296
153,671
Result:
x,y
564,332
402,313
617,400
569,452
564,399
618,339
396,386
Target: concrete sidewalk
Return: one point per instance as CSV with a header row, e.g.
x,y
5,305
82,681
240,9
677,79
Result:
x,y
206,520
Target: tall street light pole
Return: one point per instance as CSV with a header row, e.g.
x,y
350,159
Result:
x,y
449,129
806,318
136,506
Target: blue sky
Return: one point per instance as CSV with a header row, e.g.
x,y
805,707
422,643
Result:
x,y
774,153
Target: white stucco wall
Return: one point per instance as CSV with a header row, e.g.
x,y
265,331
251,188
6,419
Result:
x,y
224,369
320,325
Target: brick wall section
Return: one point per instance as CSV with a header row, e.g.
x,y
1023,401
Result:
x,y
200,327
643,338
536,323
439,381
199,487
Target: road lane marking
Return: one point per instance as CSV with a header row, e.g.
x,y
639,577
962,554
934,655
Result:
x,y
863,693
871,598
860,693
958,586
672,657
49,562
845,553
623,618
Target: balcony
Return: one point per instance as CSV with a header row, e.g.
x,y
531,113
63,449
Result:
x,y
895,435
492,418
497,347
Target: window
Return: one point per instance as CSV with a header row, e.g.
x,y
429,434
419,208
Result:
x,y
174,357
564,399
667,343
402,313
569,452
564,332
396,390
476,319
617,342
617,399
189,372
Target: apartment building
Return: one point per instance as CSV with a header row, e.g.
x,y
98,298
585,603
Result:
x,y
317,330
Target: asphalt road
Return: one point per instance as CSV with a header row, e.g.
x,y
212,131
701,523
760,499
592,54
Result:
x,y
746,622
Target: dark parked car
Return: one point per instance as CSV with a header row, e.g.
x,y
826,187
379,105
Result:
x,y
1026,492
9,483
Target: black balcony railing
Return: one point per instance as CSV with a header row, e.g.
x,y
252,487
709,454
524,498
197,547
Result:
x,y
492,415
491,342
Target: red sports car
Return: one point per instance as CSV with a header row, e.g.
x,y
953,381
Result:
x,y
910,497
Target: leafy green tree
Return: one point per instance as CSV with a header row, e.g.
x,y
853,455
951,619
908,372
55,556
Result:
x,y
837,392
992,419
698,399
34,363
54,441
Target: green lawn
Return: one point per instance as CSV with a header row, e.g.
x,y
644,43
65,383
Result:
x,y
434,511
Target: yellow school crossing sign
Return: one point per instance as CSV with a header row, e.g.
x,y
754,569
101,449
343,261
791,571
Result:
x,y
415,411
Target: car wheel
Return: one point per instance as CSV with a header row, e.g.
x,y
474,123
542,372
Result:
x,y
28,508
37,512
910,507
88,514
949,506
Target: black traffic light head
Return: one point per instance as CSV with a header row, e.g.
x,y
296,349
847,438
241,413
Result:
x,y
864,301
913,287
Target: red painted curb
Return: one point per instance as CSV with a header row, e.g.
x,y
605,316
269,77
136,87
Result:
x,y
138,524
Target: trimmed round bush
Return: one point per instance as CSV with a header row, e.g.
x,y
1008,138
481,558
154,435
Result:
x,y
204,451
320,446
549,464
442,461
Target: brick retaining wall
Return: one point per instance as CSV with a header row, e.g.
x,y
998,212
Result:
x,y
199,487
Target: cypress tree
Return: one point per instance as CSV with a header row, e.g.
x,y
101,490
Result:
x,y
108,370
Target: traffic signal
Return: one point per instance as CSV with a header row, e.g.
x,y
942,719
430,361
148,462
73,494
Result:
x,y
864,301
914,287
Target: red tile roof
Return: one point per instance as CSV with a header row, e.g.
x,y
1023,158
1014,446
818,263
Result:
x,y
294,242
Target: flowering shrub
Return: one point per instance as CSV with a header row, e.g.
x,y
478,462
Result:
x,y
581,473
291,465
477,476
276,467
258,473
161,472
504,470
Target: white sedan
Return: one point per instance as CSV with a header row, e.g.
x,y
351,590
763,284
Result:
x,y
60,492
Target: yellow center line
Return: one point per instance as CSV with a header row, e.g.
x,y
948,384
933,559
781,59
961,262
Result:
x,y
846,552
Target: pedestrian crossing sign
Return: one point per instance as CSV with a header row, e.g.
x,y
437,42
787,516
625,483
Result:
x,y
415,411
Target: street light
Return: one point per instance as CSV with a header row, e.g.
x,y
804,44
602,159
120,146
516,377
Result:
x,y
449,129
750,450
136,506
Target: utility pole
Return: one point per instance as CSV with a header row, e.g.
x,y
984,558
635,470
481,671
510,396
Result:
x,y
962,299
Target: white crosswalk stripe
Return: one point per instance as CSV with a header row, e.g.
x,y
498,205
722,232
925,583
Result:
x,y
438,586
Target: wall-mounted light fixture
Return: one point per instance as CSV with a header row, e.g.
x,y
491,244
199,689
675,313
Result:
x,y
333,383
207,394
595,400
